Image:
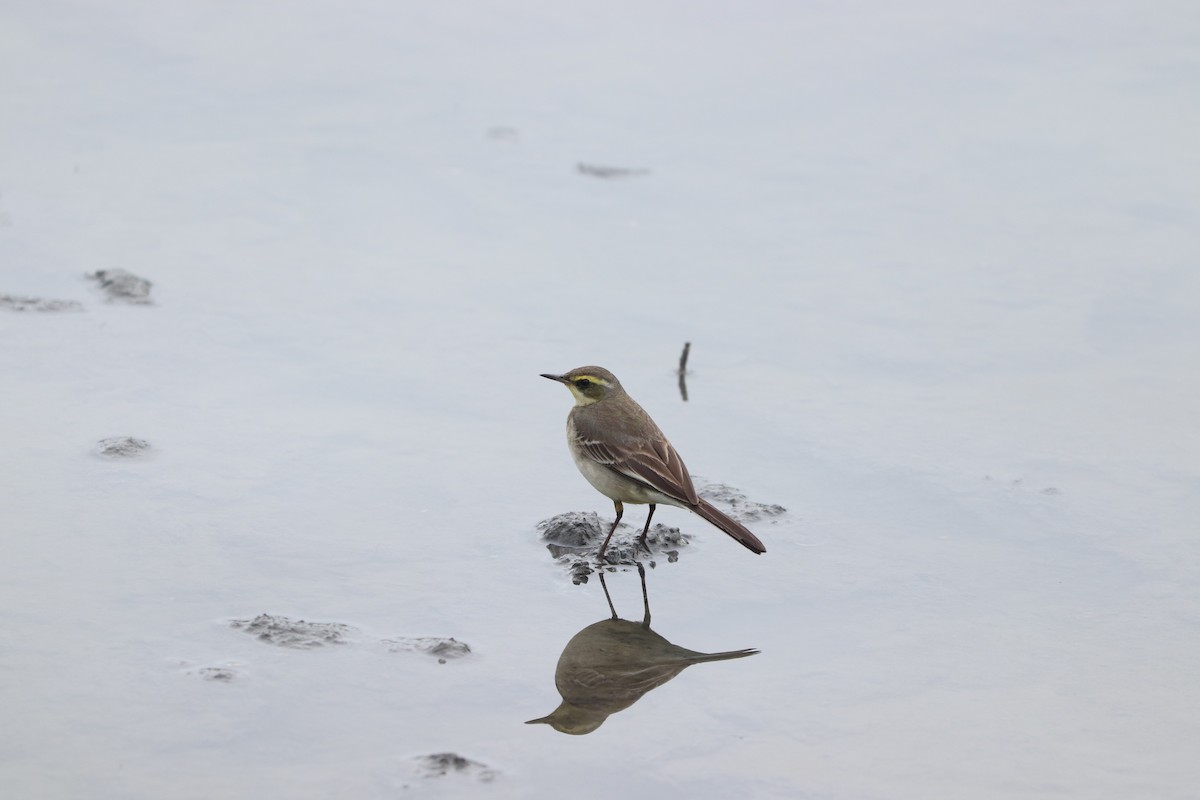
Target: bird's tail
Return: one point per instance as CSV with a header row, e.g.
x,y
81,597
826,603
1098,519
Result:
x,y
735,529
700,658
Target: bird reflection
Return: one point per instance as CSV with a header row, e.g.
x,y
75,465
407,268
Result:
x,y
609,665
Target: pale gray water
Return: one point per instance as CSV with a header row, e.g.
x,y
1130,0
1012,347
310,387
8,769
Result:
x,y
939,269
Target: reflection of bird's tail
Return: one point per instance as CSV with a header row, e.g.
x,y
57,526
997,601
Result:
x,y
699,658
735,529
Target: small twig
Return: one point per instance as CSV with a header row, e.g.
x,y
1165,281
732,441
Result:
x,y
687,348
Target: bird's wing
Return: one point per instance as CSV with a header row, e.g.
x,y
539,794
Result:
x,y
653,462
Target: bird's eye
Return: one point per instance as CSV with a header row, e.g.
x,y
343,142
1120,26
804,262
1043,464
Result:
x,y
583,383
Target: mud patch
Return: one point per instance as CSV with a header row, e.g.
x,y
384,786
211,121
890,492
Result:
x,y
574,530
122,447
297,634
504,134
735,504
12,302
222,673
439,765
610,173
122,286
442,649
1018,485
574,538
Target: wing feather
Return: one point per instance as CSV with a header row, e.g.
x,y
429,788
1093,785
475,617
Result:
x,y
653,462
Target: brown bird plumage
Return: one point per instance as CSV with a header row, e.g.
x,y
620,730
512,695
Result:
x,y
624,455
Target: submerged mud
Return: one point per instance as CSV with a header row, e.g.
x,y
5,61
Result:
x,y
442,649
610,173
13,302
574,537
735,503
122,447
439,765
122,286
299,634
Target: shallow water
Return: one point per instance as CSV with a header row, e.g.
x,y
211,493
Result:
x,y
938,273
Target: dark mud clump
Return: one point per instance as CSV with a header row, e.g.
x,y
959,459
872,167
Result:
x,y
122,286
574,530
297,634
574,538
442,649
738,507
439,765
122,447
14,303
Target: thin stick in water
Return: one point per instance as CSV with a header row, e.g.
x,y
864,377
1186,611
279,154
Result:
x,y
687,348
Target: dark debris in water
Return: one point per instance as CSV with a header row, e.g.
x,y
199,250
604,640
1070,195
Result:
x,y
122,447
438,765
15,303
123,286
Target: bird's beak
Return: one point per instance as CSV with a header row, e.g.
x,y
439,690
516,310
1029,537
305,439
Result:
x,y
559,378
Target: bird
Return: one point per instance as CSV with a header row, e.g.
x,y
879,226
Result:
x,y
623,454
609,665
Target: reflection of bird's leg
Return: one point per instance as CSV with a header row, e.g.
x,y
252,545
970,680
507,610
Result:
x,y
608,596
645,597
620,510
645,530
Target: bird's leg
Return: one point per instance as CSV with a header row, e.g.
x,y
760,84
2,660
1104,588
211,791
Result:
x,y
645,597
620,510
608,596
645,530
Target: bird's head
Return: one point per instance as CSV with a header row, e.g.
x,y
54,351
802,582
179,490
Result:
x,y
588,384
